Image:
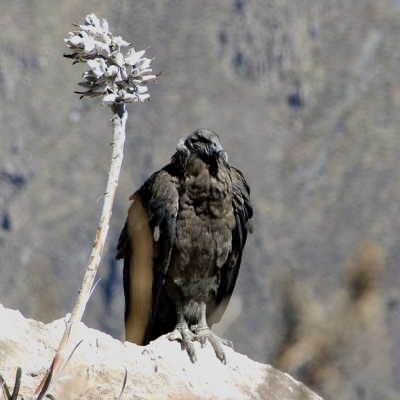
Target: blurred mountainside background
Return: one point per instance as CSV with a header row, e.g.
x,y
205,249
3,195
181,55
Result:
x,y
306,99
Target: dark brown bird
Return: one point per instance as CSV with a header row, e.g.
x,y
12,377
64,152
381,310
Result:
x,y
182,245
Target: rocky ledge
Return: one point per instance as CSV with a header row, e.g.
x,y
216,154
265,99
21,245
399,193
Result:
x,y
160,370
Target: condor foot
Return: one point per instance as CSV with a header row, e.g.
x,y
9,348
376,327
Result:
x,y
201,334
182,334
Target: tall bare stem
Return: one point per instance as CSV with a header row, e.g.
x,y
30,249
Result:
x,y
65,348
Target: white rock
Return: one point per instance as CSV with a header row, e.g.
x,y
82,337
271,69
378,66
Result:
x,y
160,370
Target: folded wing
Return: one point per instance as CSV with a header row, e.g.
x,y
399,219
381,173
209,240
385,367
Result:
x,y
145,244
243,211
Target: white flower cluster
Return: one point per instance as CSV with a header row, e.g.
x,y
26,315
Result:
x,y
119,78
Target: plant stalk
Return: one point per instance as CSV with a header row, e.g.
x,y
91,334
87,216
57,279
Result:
x,y
64,350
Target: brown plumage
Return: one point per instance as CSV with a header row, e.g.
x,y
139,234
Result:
x,y
182,245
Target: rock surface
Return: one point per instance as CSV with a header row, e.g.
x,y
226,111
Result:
x,y
158,371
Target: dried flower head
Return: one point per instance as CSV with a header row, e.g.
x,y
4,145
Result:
x,y
118,77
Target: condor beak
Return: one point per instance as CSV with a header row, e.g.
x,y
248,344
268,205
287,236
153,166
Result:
x,y
219,151
223,154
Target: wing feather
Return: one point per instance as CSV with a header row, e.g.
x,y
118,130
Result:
x,y
243,212
145,244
